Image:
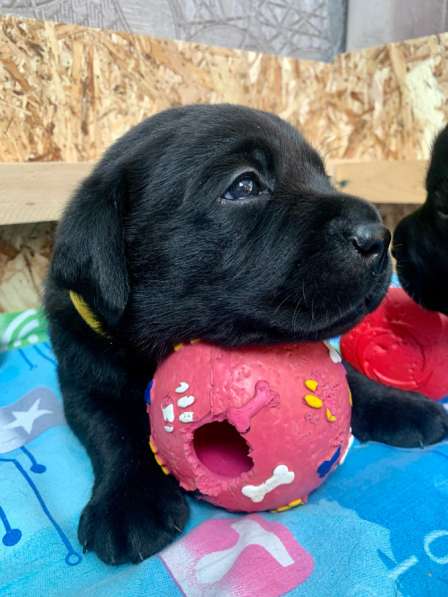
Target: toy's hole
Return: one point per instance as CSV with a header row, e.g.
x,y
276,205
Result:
x,y
221,449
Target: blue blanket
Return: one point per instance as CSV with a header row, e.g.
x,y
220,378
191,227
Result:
x,y
377,527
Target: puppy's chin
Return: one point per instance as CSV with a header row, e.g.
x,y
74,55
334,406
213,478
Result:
x,y
357,311
289,326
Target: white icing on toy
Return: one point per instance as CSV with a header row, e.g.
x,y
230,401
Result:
x,y
280,476
349,445
182,387
169,428
186,401
168,413
186,417
212,567
334,355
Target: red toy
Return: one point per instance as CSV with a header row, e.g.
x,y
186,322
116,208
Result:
x,y
252,428
401,345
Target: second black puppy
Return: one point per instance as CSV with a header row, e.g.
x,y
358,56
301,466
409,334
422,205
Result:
x,y
212,222
421,239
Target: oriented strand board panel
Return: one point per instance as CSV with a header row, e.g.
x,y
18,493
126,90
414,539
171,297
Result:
x,y
24,256
390,101
68,91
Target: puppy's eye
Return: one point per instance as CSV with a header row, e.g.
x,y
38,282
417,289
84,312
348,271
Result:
x,y
247,185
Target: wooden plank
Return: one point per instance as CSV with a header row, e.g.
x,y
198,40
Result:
x,y
37,192
389,182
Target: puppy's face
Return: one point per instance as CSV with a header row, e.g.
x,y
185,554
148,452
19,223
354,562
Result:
x,y
231,233
421,239
235,235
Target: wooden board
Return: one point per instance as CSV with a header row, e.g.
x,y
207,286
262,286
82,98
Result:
x,y
394,182
38,192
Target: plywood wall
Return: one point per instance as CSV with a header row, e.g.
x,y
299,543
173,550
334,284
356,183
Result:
x,y
24,255
67,92
391,100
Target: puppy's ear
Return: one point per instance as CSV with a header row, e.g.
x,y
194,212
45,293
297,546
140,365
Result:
x,y
89,255
437,176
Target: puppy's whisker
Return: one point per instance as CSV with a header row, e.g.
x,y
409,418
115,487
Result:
x,y
295,315
282,302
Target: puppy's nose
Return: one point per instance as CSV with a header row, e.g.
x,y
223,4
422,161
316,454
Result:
x,y
370,240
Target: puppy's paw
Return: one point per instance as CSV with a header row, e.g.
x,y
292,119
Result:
x,y
402,419
129,523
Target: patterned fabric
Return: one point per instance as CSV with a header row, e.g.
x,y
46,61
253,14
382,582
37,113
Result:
x,y
313,29
377,527
18,330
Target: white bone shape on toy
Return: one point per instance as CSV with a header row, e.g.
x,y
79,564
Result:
x,y
182,387
280,476
186,401
212,567
168,412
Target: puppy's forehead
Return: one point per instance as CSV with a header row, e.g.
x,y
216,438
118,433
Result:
x,y
246,124
264,136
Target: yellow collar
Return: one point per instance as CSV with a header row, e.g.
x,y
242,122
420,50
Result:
x,y
86,313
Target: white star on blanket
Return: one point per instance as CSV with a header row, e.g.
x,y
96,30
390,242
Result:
x,y
26,418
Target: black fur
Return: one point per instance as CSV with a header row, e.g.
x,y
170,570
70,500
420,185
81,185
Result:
x,y
161,257
421,239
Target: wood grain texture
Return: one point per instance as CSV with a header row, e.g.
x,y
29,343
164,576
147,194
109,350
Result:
x,y
68,92
24,256
393,182
38,192
388,102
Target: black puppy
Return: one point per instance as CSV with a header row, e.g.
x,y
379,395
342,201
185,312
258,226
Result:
x,y
212,222
421,239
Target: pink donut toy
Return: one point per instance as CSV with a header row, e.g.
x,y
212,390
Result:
x,y
250,429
